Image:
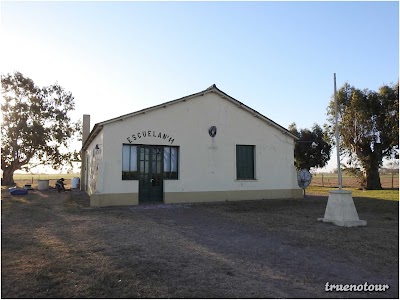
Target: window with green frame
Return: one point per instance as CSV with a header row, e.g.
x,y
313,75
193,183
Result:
x,y
245,162
170,162
129,162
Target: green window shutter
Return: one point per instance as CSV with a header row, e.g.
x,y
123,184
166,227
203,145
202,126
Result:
x,y
244,162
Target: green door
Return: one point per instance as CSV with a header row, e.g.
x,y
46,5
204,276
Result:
x,y
150,173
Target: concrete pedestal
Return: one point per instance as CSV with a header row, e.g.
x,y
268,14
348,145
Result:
x,y
341,211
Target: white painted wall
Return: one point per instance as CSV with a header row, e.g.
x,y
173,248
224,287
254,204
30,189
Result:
x,y
95,173
205,163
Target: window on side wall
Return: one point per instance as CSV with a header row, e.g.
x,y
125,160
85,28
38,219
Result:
x,y
129,162
171,162
245,162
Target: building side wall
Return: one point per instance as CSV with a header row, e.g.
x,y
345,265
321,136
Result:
x,y
94,171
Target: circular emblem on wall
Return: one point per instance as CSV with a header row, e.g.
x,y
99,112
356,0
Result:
x,y
212,131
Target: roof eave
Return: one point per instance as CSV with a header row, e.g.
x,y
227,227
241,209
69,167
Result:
x,y
97,128
257,114
145,110
95,131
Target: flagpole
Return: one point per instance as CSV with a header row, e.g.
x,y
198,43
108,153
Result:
x,y
340,209
337,134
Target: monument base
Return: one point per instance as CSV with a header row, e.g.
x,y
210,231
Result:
x,y
341,211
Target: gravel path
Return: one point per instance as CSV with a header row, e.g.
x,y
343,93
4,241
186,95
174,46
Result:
x,y
278,268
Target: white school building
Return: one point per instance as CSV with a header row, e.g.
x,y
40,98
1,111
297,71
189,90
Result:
x,y
203,147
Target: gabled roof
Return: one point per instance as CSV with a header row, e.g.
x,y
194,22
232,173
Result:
x,y
212,89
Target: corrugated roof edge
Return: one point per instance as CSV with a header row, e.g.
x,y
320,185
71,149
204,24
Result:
x,y
98,126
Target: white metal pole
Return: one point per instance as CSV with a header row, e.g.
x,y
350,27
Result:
x,y
337,134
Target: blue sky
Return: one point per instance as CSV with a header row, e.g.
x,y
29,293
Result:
x,y
277,57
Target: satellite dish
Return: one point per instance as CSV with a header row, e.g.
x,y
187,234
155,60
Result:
x,y
304,178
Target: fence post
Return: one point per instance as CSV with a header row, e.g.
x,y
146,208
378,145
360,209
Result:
x,y
392,180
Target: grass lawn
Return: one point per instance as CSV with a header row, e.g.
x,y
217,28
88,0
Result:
x,y
385,194
55,246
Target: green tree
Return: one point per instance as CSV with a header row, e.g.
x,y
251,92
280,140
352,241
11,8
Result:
x,y
368,127
35,125
313,148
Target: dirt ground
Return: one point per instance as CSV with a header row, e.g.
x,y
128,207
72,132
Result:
x,y
55,246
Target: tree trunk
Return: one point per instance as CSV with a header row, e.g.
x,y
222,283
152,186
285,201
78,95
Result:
x,y
8,177
373,181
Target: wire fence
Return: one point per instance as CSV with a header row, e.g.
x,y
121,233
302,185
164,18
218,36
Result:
x,y
388,181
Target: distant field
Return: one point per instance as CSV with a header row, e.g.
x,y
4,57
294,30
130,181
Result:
x,y
331,180
32,178
44,176
323,180
386,194
22,179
